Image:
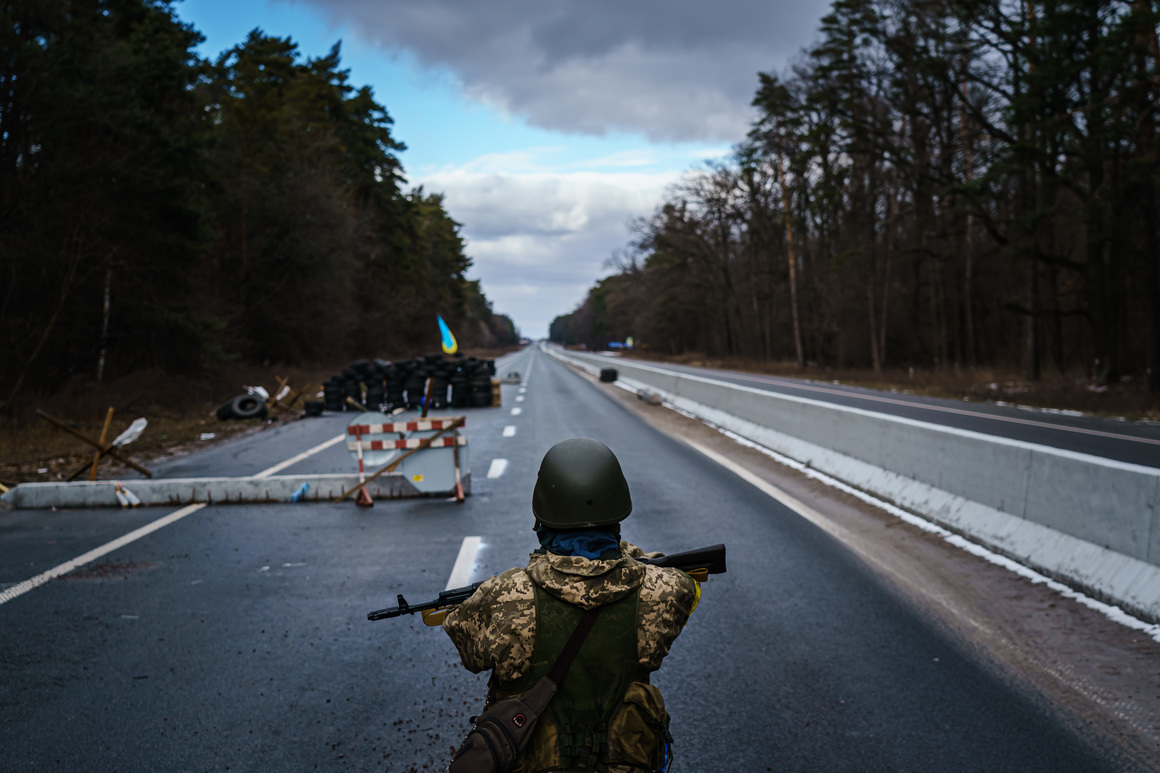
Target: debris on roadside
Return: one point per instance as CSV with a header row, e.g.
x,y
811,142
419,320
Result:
x,y
258,403
247,406
103,449
608,375
126,497
650,397
132,433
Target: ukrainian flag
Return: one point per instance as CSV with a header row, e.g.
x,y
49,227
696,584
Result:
x,y
450,346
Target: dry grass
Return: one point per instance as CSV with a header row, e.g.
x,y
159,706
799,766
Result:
x,y
179,411
1127,399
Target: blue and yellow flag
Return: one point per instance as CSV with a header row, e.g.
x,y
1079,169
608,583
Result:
x,y
450,346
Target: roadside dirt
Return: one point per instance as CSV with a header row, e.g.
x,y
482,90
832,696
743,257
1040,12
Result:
x,y
1102,677
179,410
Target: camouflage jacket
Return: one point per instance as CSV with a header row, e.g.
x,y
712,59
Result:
x,y
495,629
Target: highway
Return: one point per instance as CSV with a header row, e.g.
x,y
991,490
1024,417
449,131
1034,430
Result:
x,y
1133,442
236,637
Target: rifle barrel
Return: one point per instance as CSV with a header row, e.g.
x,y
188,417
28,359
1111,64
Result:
x,y
710,559
446,598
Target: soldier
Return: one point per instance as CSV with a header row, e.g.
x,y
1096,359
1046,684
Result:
x,y
605,716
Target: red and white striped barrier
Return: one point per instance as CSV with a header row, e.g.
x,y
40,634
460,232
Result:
x,y
431,453
399,426
402,445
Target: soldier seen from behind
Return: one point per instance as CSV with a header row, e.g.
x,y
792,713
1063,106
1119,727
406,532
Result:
x,y
604,715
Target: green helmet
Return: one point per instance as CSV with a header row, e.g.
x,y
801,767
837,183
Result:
x,y
580,485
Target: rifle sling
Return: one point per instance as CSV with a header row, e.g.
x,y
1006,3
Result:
x,y
572,648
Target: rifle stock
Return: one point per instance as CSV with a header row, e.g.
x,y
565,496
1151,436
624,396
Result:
x,y
698,564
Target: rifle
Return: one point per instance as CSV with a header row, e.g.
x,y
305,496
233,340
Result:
x,y
698,564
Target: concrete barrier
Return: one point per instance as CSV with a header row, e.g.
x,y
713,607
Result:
x,y
185,491
1091,521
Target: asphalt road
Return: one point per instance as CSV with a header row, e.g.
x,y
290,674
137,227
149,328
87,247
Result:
x,y
236,638
1124,441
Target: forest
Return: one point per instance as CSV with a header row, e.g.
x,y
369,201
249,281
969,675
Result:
x,y
159,210
946,184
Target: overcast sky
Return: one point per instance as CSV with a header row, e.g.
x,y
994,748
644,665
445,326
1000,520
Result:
x,y
547,124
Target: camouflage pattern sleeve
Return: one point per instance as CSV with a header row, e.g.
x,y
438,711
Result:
x,y
495,628
667,598
632,551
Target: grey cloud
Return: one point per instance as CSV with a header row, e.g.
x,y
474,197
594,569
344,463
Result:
x,y
679,70
538,240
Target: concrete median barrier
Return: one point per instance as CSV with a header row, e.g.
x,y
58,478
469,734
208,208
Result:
x,y
1091,521
184,491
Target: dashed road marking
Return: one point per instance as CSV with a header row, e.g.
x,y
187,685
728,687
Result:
x,y
516,411
523,389
464,563
509,430
519,398
497,468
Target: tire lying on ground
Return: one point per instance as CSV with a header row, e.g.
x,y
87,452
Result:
x,y
248,407
608,375
226,412
313,408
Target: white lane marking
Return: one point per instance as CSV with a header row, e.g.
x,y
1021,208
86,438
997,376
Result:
x,y
813,516
519,398
891,400
461,572
523,389
295,459
947,409
928,425
21,588
35,582
497,468
516,411
509,430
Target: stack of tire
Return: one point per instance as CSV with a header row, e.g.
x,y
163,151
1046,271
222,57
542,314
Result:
x,y
479,380
458,382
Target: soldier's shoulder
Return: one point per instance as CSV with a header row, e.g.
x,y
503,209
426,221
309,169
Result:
x,y
509,586
664,582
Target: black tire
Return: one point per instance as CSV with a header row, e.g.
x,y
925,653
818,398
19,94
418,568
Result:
x,y
313,408
226,412
608,375
248,407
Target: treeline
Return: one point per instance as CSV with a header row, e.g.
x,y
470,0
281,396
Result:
x,y
940,183
160,210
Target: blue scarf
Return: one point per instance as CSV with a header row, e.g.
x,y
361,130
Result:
x,y
586,543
